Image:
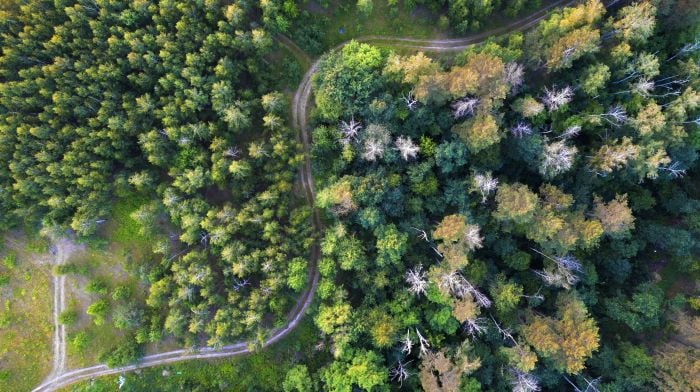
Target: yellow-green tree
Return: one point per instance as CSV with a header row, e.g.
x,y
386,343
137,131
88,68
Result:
x,y
569,339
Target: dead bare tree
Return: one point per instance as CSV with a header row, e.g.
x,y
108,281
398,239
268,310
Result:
x,y
399,372
521,129
591,385
557,158
505,332
410,100
513,75
424,345
564,273
570,132
472,238
459,287
373,149
687,48
416,279
421,234
485,184
674,170
615,116
350,130
407,343
474,327
376,139
406,147
554,99
524,382
232,152
464,107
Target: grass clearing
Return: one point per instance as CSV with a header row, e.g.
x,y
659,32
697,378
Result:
x,y
260,371
26,326
419,23
116,259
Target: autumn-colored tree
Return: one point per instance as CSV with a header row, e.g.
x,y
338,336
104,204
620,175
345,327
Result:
x,y
409,69
478,133
615,216
515,203
635,22
571,47
614,156
337,197
567,340
678,361
442,373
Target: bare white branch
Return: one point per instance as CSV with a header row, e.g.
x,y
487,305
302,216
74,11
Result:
x,y
416,279
554,99
557,158
464,107
406,147
484,184
524,382
521,129
350,130
424,345
410,100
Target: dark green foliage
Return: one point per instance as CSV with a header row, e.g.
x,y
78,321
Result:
x,y
641,311
123,354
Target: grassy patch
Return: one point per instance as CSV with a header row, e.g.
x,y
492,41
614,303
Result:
x,y
261,371
123,229
25,319
397,22
103,272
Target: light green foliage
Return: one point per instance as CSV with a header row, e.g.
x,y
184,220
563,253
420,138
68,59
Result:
x,y
98,310
506,295
364,370
391,245
595,78
331,317
298,380
642,311
347,80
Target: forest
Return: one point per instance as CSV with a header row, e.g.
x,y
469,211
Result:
x,y
496,223
521,216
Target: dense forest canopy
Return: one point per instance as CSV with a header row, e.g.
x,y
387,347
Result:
x,y
496,220
493,221
175,101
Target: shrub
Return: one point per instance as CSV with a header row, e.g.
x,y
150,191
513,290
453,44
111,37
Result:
x,y
121,293
126,353
9,261
97,286
80,341
98,311
68,317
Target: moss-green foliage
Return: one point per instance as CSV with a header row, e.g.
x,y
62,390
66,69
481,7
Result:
x,y
126,229
260,371
25,318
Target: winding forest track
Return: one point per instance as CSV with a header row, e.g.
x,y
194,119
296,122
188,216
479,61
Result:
x,y
299,120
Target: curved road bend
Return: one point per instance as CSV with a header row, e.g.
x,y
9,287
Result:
x,y
299,120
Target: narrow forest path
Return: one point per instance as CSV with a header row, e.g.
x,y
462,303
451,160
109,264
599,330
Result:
x,y
299,113
59,252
